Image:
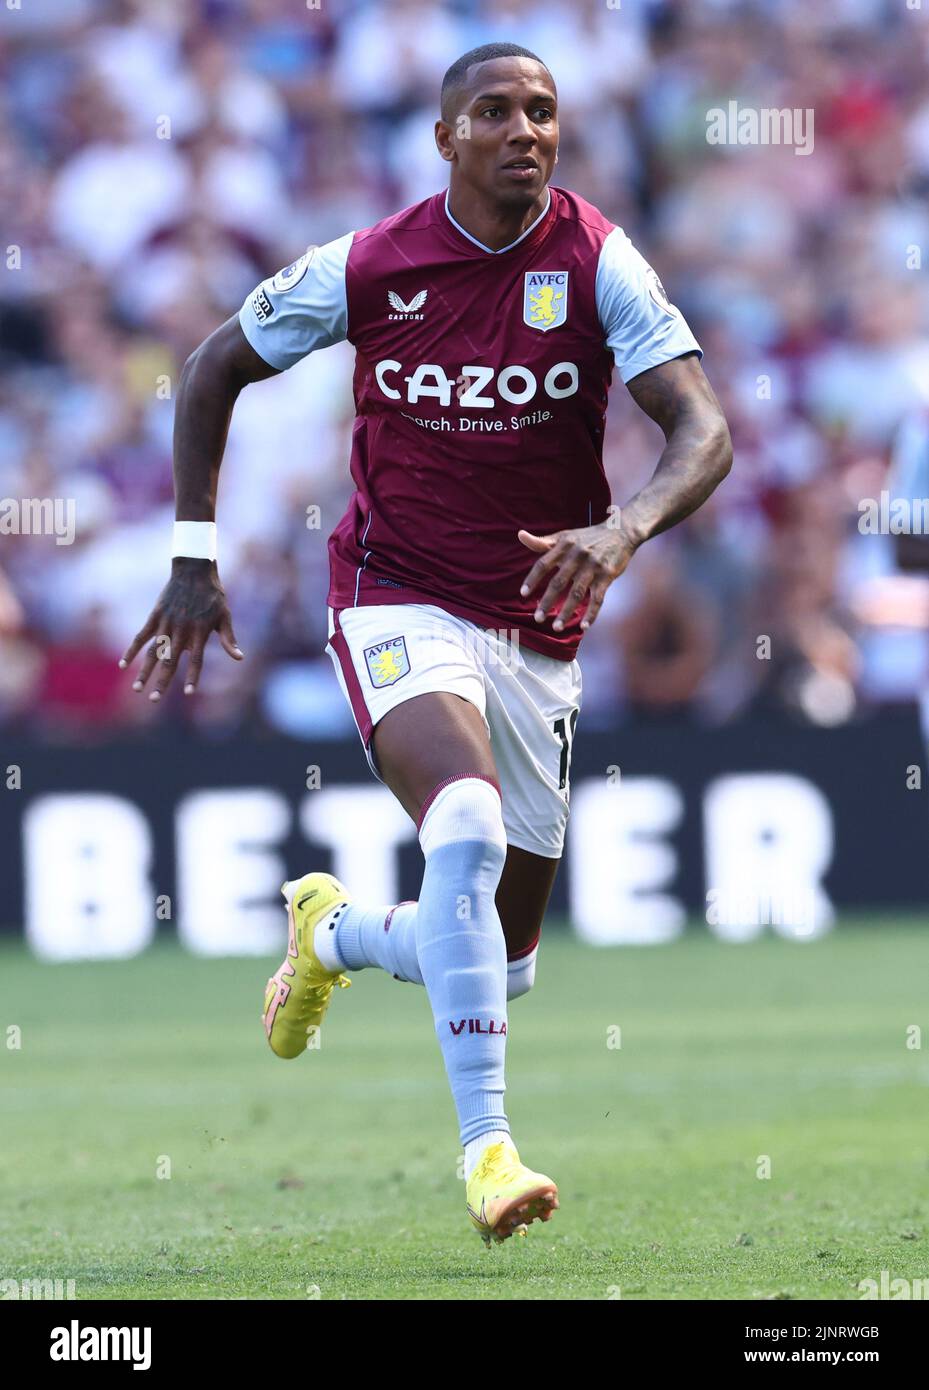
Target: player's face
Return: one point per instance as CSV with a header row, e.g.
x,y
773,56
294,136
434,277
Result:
x,y
506,147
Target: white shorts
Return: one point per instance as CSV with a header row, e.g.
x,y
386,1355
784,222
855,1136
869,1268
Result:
x,y
386,653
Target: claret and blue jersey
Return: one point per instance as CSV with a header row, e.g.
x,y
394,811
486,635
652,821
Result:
x,y
480,385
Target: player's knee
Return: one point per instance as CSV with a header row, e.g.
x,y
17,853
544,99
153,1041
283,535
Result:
x,y
466,811
520,973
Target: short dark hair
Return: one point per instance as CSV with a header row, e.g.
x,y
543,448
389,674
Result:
x,y
457,75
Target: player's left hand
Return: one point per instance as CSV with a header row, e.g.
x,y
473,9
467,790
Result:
x,y
588,559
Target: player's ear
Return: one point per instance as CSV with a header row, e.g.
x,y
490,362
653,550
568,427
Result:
x,y
442,141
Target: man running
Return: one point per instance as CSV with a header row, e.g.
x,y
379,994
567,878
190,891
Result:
x,y
475,552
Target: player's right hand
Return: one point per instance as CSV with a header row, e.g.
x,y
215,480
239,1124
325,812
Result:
x,y
190,606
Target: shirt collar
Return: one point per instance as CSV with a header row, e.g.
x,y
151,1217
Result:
x,y
489,249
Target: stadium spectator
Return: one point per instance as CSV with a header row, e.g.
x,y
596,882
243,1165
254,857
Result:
x,y
157,161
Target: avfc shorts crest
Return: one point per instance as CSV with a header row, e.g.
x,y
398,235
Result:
x,y
387,662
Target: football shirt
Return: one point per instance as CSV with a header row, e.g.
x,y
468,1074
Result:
x,y
480,390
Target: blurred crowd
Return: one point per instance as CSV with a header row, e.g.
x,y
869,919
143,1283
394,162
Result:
x,y
158,160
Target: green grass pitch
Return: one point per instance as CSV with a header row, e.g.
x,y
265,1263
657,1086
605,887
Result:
x,y
334,1176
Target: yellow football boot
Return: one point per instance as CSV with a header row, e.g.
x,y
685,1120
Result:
x,y
504,1195
298,995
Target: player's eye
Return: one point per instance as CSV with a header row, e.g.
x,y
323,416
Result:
x,y
489,110
546,113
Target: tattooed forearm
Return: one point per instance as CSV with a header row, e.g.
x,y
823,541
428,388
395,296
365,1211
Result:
x,y
698,451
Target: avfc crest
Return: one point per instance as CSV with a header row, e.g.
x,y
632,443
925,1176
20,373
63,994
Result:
x,y
387,662
545,298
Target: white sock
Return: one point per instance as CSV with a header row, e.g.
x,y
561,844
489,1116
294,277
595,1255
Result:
x,y
324,938
353,937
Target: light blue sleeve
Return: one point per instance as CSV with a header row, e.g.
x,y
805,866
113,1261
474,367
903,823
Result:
x,y
639,324
301,308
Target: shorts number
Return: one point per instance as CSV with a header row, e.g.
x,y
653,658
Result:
x,y
564,728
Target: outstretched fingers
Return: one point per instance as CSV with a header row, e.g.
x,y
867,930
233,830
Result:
x,y
148,666
228,639
138,642
194,664
168,650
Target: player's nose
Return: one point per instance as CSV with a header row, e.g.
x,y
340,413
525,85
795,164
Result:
x,y
520,129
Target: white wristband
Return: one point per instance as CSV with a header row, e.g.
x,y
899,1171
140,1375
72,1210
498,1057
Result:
x,y
195,539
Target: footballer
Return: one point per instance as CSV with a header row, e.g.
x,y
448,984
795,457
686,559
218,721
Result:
x,y
475,552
